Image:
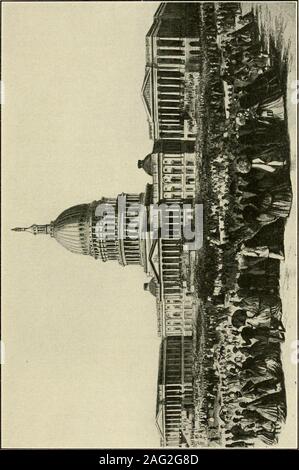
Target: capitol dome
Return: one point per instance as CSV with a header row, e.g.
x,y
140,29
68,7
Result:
x,y
100,229
71,229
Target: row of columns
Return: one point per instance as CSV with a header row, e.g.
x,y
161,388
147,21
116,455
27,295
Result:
x,y
170,99
131,245
178,390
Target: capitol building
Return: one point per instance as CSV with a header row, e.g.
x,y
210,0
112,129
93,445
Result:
x,y
127,229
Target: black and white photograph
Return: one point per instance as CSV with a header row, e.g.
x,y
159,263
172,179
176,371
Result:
x,y
149,225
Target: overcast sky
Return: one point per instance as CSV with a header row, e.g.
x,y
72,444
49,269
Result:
x,y
80,335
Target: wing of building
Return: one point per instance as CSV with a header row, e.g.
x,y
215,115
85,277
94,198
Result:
x,y
172,68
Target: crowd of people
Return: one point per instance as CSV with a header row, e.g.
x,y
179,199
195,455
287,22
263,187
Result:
x,y
247,198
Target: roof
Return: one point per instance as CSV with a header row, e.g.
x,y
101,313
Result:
x,y
146,93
